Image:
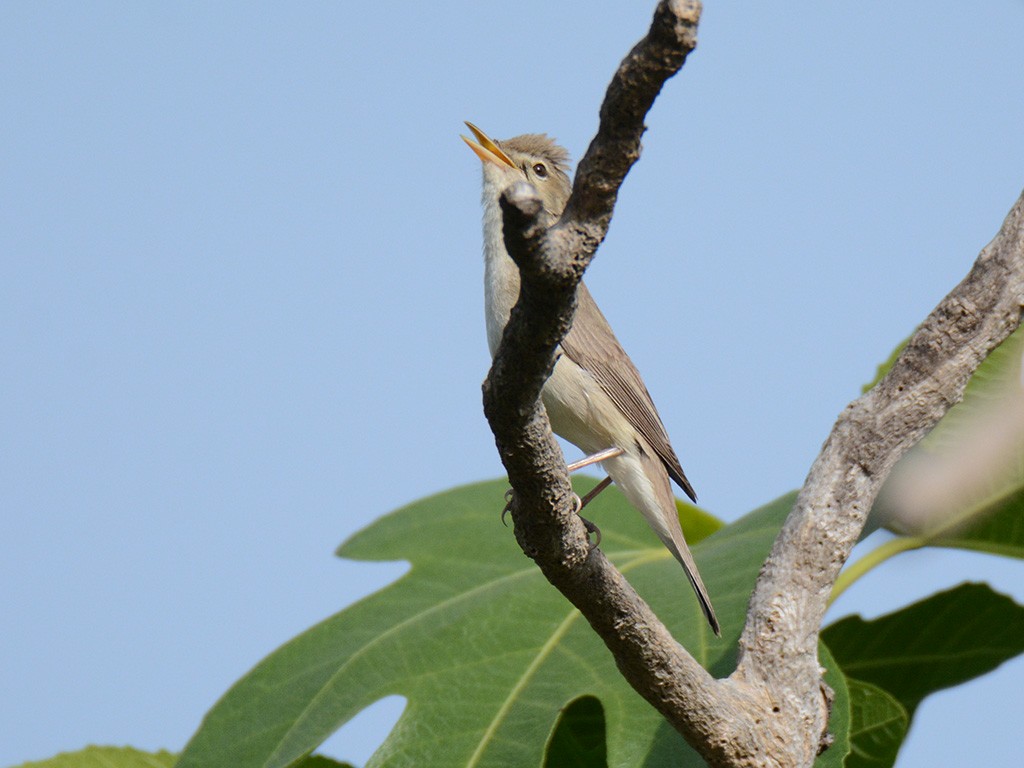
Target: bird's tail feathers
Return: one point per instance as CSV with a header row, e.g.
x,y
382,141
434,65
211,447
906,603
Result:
x,y
682,554
664,519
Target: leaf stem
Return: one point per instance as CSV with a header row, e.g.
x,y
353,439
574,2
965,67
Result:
x,y
873,559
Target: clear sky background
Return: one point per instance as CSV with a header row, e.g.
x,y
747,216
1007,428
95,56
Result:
x,y
241,303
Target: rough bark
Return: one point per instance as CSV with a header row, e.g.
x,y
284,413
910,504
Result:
x,y
778,647
772,710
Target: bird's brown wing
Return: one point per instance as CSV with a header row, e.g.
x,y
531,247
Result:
x,y
592,345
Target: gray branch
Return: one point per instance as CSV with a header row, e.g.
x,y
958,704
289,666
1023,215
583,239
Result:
x,y
551,263
773,709
779,642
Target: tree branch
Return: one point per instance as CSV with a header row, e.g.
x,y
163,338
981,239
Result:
x,y
551,263
771,711
779,642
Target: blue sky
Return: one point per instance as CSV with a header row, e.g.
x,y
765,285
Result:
x,y
241,302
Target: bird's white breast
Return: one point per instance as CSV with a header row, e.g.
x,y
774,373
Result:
x,y
580,411
501,275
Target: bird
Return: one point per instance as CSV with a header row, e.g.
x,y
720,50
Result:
x,y
595,397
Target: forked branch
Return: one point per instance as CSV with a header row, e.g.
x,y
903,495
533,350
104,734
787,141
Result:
x,y
772,710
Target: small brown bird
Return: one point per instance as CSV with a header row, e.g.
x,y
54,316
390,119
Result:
x,y
595,397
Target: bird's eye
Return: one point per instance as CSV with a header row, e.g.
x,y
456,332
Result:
x,y
541,170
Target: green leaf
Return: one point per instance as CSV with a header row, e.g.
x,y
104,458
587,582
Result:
x,y
578,740
878,728
939,642
998,529
697,523
970,488
106,757
485,651
840,718
126,757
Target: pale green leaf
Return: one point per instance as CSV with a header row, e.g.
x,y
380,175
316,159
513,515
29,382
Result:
x,y
485,651
127,757
106,757
963,484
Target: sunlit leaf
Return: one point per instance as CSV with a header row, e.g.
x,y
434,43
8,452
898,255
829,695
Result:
x,y
998,531
697,523
106,757
963,485
485,651
127,757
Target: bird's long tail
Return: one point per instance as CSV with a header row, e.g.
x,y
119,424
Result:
x,y
650,491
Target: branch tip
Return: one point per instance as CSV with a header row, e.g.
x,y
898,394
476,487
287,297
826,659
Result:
x,y
687,11
524,199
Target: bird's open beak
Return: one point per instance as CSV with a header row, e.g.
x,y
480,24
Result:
x,y
486,150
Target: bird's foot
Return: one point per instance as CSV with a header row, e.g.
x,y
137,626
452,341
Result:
x,y
509,496
578,503
592,530
586,461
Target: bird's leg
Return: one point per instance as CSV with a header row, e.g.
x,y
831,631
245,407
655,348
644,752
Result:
x,y
590,525
592,528
509,495
594,492
586,461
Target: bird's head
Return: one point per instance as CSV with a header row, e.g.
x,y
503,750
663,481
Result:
x,y
532,157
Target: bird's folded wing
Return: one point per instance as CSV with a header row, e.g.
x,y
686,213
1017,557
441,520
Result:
x,y
592,345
